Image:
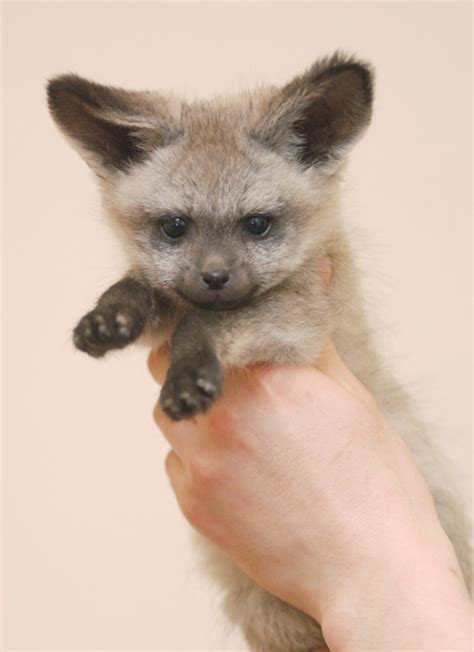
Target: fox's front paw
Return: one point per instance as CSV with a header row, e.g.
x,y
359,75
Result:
x,y
107,328
190,389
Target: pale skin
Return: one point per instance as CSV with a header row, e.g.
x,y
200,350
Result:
x,y
297,476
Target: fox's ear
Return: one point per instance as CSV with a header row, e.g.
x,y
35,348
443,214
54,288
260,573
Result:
x,y
320,113
110,127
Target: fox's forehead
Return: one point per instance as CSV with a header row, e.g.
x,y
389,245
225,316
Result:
x,y
218,178
214,167
223,117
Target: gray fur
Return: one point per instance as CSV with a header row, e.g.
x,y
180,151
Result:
x,y
274,151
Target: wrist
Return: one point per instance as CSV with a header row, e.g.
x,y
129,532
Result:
x,y
417,603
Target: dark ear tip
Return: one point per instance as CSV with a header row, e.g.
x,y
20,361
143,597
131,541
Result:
x,y
55,86
341,62
366,78
67,83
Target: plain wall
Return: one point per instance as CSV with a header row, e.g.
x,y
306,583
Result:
x,y
96,553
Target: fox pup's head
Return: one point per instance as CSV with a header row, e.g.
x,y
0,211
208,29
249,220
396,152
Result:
x,y
219,200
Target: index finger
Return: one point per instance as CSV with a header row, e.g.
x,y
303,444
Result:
x,y
332,364
158,363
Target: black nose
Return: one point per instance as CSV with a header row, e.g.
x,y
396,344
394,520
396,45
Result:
x,y
216,280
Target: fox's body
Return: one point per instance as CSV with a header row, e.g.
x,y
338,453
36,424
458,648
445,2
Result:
x,y
229,211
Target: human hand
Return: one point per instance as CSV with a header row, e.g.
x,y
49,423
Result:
x,y
295,469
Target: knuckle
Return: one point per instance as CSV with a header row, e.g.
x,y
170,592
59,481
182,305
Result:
x,y
202,470
223,420
192,509
229,427
270,380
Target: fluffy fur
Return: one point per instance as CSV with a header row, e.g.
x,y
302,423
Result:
x,y
275,152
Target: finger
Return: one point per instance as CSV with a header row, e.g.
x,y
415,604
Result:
x,y
175,471
179,434
158,362
332,364
329,361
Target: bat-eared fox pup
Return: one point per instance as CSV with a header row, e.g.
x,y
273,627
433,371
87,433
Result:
x,y
229,210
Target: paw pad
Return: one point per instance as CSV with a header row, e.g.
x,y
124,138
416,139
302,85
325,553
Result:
x,y
188,391
104,329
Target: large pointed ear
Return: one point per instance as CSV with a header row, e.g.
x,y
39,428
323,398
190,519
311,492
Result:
x,y
320,113
110,127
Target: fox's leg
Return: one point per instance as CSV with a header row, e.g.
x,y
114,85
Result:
x,y
120,316
195,375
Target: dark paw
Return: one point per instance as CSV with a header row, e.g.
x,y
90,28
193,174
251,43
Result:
x,y
189,390
107,328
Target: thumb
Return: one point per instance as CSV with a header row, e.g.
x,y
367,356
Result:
x,y
332,364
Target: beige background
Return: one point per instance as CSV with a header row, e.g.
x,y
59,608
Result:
x,y
97,555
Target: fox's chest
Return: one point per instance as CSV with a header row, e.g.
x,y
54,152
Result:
x,y
283,329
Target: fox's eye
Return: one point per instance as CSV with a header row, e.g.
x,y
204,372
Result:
x,y
258,224
174,227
